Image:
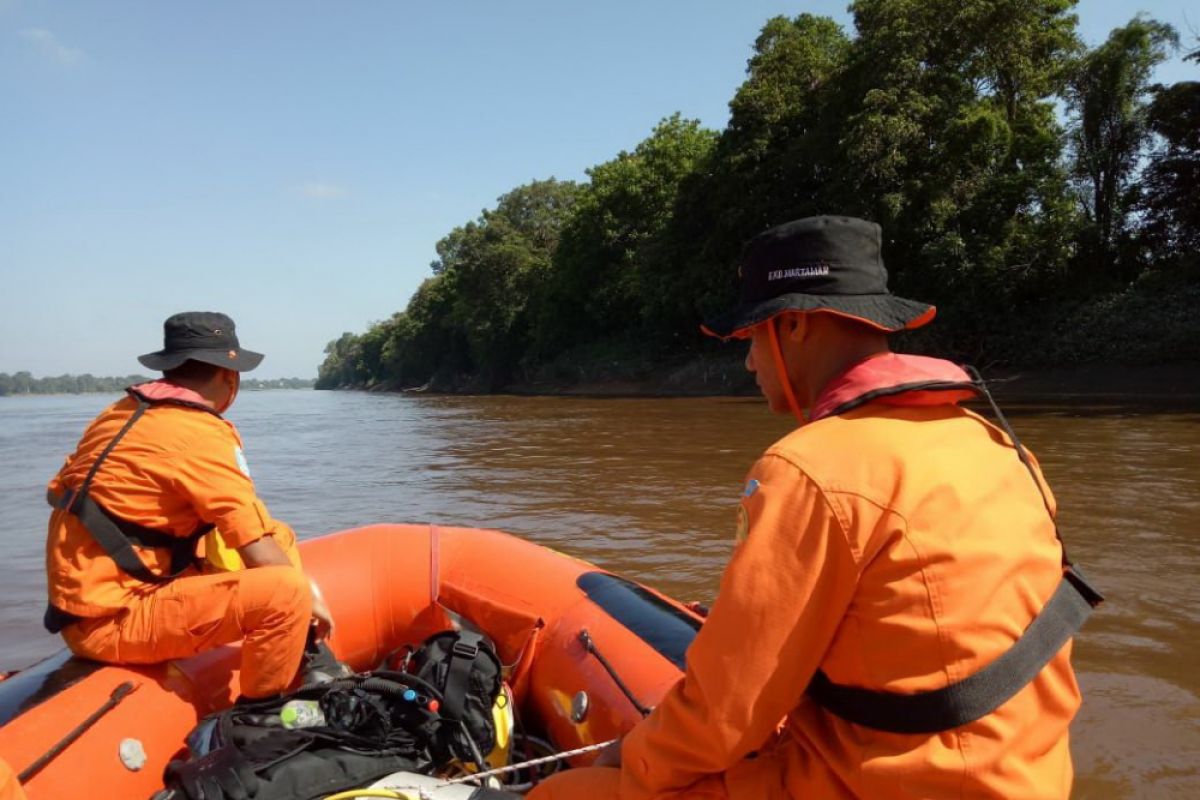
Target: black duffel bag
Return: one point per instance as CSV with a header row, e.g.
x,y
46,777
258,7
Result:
x,y
245,752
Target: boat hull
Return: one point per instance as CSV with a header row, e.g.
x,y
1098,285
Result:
x,y
388,586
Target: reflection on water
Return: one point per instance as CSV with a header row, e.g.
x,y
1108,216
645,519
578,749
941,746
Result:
x,y
649,488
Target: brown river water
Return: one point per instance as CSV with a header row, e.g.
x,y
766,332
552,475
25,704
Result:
x,y
649,488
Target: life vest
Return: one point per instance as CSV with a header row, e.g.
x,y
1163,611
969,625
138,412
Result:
x,y
906,380
117,536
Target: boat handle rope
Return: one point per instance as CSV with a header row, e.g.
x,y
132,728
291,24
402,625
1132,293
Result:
x,y
424,793
585,639
118,694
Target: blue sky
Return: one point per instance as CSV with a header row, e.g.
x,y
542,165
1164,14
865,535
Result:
x,y
294,163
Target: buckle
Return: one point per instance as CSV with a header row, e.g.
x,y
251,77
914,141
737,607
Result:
x,y
465,650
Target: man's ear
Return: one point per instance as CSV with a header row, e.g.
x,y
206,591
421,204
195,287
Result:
x,y
793,327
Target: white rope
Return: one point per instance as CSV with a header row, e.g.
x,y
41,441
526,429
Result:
x,y
423,791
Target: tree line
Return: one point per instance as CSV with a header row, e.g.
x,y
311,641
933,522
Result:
x,y
25,383
1025,183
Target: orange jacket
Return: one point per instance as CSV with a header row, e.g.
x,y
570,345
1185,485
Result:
x,y
9,788
900,546
178,467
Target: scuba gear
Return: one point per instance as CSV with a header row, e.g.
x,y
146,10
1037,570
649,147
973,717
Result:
x,y
344,732
463,668
246,751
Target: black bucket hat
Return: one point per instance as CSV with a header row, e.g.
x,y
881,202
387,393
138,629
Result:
x,y
201,336
829,264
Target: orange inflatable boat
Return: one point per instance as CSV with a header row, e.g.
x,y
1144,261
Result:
x,y
588,652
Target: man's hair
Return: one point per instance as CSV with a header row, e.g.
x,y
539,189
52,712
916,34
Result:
x,y
192,370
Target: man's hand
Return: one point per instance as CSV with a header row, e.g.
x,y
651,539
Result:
x,y
266,552
609,756
321,616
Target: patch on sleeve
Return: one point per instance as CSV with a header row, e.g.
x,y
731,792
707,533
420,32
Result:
x,y
743,524
240,457
743,516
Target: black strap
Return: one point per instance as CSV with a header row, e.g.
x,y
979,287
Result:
x,y
54,619
142,405
462,657
118,537
982,693
1021,454
978,387
978,695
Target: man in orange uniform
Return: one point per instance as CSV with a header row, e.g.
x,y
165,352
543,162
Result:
x,y
889,552
152,475
9,788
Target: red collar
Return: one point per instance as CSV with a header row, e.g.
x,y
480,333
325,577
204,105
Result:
x,y
163,391
895,379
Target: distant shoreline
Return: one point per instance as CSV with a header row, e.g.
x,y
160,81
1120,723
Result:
x,y
22,384
1154,385
120,391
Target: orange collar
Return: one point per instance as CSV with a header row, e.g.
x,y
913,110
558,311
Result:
x,y
163,391
895,379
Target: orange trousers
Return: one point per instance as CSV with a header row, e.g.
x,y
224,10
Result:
x,y
269,608
9,788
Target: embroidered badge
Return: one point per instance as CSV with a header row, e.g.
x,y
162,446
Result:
x,y
240,457
743,524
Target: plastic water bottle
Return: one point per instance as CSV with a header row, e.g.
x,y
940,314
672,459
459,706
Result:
x,y
301,714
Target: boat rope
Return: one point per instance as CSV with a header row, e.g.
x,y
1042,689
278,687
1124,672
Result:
x,y
118,694
589,644
424,792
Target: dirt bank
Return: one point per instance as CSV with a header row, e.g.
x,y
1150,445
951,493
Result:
x,y
1157,384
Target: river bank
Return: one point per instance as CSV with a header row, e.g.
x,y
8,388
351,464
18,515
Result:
x,y
1158,385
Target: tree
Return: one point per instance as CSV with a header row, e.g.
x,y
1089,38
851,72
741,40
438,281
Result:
x,y
1108,95
951,143
1170,202
608,275
339,369
495,265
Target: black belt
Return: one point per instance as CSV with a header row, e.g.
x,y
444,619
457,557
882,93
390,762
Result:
x,y
978,695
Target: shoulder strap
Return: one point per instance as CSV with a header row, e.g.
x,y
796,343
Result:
x,y
462,657
71,498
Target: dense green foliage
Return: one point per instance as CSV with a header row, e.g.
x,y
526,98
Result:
x,y
1020,178
25,383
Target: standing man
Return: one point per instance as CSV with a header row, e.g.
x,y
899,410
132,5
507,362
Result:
x,y
154,474
874,635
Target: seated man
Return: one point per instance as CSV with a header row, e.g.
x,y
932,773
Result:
x,y
10,789
155,473
890,552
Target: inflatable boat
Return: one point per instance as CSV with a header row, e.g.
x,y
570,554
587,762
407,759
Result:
x,y
587,653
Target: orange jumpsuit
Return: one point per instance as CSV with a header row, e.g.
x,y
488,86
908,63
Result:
x,y
9,788
178,467
900,546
